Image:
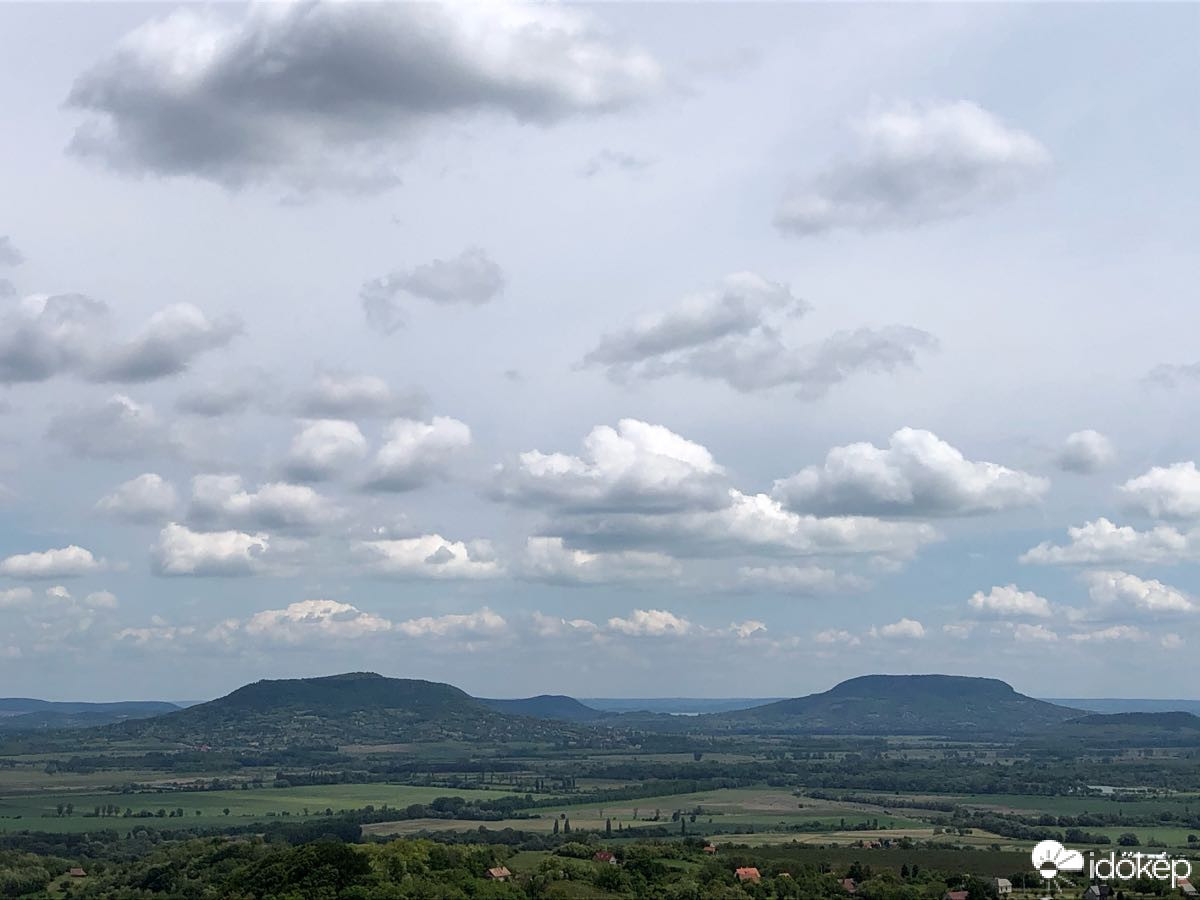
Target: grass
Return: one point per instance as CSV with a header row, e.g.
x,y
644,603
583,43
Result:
x,y
760,809
37,812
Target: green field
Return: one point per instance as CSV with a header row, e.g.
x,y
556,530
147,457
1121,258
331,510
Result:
x,y
727,810
37,812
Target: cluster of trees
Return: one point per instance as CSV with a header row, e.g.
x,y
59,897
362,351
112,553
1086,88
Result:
x,y
253,869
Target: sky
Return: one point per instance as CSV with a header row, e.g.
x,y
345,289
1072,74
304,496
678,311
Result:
x,y
615,350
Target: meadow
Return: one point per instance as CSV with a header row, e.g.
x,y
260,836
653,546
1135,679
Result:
x,y
39,811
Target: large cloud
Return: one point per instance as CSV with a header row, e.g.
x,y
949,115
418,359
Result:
x,y
550,559
1104,543
222,500
147,498
181,551
1166,492
471,278
325,448
1085,452
917,164
415,453
64,562
44,336
733,334
916,474
320,94
635,466
430,556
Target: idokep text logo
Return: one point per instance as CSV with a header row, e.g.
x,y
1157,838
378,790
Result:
x,y
1052,859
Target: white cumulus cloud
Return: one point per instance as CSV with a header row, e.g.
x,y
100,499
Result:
x,y
1010,601
430,556
181,551
1165,492
324,448
916,474
147,498
1148,595
650,623
1101,542
416,453
64,562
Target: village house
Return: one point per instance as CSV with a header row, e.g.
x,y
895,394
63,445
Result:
x,y
1003,887
1099,892
1187,889
710,848
499,873
76,872
956,895
849,885
605,856
748,873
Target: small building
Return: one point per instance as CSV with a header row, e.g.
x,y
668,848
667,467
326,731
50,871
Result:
x,y
956,895
1098,892
1187,889
748,873
605,856
710,848
849,885
76,872
1003,887
499,873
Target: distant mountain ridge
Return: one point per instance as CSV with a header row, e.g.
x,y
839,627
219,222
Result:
x,y
910,704
27,714
1123,705
367,708
1166,721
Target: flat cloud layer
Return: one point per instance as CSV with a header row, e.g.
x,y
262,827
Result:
x,y
316,95
917,164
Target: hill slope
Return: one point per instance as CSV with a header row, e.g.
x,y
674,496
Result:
x,y
908,704
358,707
547,706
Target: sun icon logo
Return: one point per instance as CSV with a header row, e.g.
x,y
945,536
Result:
x,y
1051,858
